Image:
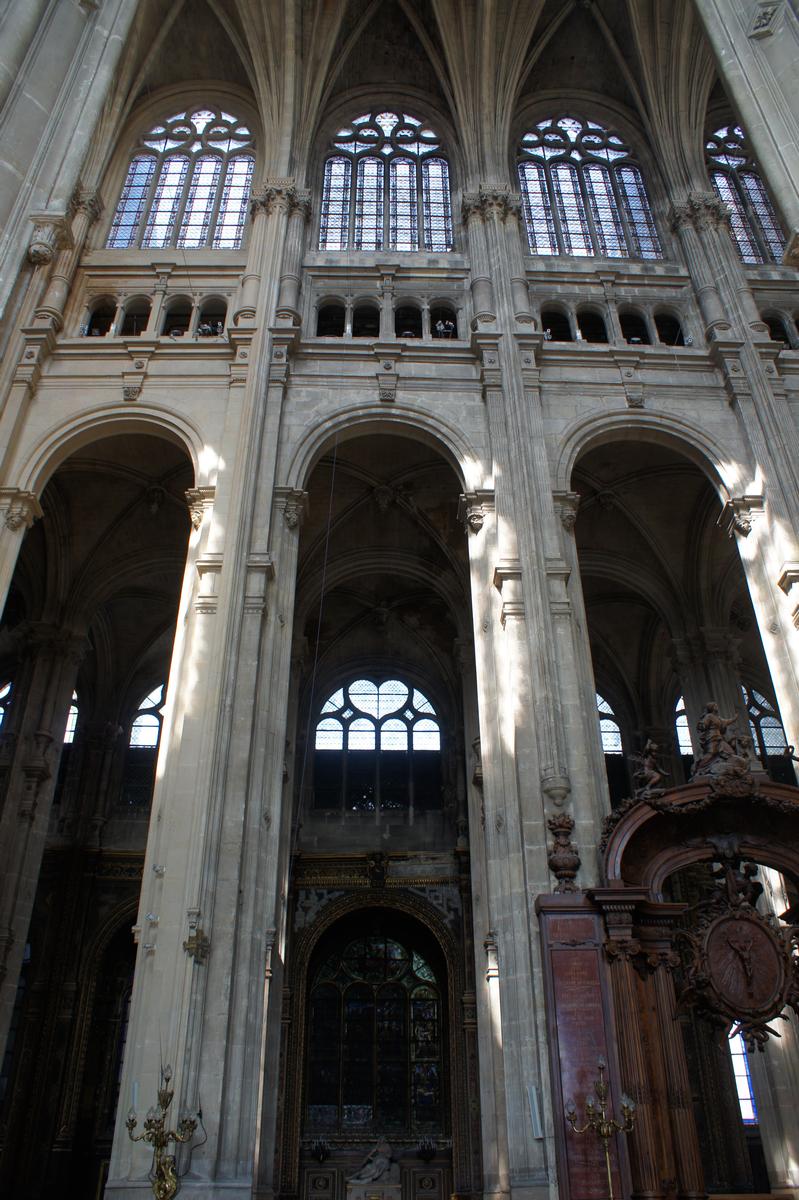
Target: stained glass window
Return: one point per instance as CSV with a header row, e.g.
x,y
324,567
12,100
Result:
x,y
391,164
375,1044
5,700
188,184
377,747
582,194
145,731
683,732
743,1080
609,727
753,223
765,726
72,720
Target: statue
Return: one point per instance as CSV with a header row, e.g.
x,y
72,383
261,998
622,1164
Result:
x,y
649,774
378,1164
725,758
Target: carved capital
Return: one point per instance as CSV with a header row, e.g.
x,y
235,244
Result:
x,y
279,195
293,503
19,509
87,200
492,200
198,500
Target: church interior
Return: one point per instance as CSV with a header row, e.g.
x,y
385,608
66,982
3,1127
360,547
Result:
x,y
399,557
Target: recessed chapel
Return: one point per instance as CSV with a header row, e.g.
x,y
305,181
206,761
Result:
x,y
399,566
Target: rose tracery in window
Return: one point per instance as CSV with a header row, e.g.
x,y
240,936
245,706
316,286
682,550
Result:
x,y
735,178
583,194
377,748
187,185
386,186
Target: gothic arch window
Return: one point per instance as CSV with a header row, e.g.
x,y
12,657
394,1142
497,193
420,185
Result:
x,y
735,178
375,1044
188,184
145,735
72,721
583,193
386,186
768,735
608,727
377,747
145,730
5,700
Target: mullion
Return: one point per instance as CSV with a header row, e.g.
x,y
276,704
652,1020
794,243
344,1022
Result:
x,y
183,201
553,208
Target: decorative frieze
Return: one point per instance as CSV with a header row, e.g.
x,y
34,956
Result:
x,y
19,508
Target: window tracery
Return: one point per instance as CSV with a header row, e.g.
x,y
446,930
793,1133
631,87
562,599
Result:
x,y
583,193
765,725
608,726
737,183
145,732
377,747
188,184
386,181
5,701
375,1042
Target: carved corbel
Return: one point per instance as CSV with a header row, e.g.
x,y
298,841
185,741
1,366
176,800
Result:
x,y
473,508
198,500
566,506
739,513
19,508
50,233
293,503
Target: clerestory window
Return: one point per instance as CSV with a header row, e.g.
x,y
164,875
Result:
x,y
377,749
188,184
72,721
386,186
583,193
753,222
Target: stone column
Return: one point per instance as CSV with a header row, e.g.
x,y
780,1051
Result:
x,y
43,695
702,274
290,279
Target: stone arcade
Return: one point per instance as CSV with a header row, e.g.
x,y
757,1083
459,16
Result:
x,y
398,543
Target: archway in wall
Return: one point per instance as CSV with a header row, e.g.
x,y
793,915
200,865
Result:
x,y
86,636
669,617
382,695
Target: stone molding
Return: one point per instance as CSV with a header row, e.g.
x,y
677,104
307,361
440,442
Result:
x,y
19,508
